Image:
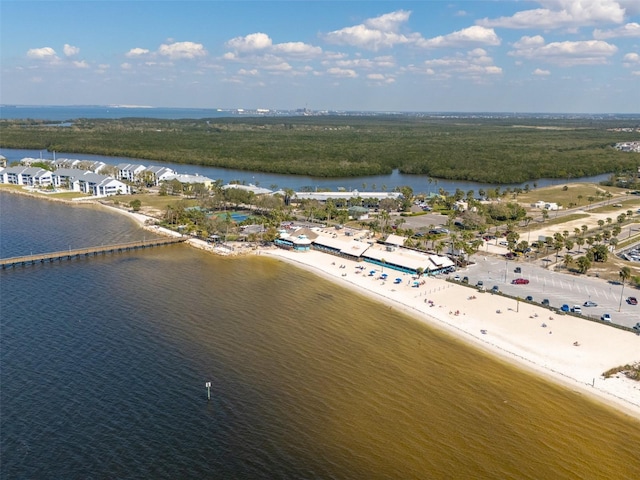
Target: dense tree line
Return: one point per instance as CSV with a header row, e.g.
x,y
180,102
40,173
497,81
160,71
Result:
x,y
483,150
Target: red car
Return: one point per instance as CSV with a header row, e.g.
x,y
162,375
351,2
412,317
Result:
x,y
632,301
519,281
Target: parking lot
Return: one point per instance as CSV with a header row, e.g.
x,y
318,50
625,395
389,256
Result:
x,y
558,288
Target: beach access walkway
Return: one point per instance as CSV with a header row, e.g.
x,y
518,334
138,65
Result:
x,y
71,254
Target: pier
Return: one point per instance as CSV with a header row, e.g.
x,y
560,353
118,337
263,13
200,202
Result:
x,y
86,252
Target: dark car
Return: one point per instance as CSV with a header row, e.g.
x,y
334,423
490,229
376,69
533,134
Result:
x,y
529,298
519,281
465,279
495,289
632,301
565,308
589,303
518,270
545,302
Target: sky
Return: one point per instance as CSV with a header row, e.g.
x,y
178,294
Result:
x,y
554,56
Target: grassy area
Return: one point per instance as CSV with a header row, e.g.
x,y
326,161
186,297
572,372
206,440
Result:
x,y
575,193
564,219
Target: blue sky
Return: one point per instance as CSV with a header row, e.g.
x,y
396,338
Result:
x,y
579,56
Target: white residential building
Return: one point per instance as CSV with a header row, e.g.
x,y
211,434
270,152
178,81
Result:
x,y
160,174
129,171
28,176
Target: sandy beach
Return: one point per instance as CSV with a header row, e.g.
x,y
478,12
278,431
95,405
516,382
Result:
x,y
562,348
527,335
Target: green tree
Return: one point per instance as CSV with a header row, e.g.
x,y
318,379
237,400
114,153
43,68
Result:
x,y
584,264
135,205
624,274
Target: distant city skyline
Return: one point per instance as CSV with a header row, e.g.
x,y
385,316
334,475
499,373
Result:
x,y
556,56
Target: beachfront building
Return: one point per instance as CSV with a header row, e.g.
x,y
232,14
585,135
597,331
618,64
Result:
x,y
395,240
27,176
351,249
88,182
392,256
408,261
298,242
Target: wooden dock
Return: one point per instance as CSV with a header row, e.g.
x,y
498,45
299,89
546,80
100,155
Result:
x,y
86,252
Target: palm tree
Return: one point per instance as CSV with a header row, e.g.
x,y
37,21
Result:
x,y
625,274
567,260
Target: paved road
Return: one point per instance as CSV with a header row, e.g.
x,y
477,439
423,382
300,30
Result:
x,y
559,288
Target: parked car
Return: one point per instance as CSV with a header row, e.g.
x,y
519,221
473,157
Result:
x,y
605,317
480,284
519,281
589,303
545,302
495,289
465,279
576,309
456,278
529,298
565,308
632,301
636,327
518,270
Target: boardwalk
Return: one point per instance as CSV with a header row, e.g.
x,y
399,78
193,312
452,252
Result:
x,y
86,252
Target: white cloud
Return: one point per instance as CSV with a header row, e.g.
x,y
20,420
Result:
x,y
80,64
630,60
70,50
182,50
374,33
342,72
628,30
539,72
466,37
44,53
136,52
474,65
250,43
380,79
590,52
258,48
562,14
279,67
296,49
248,73
389,22
126,66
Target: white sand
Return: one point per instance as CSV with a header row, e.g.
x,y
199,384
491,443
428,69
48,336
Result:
x,y
516,334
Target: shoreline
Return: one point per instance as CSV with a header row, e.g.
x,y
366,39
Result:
x,y
526,336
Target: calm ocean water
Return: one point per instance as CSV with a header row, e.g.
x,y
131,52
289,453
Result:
x,y
103,364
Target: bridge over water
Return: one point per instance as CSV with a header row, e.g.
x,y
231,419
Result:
x,y
86,252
